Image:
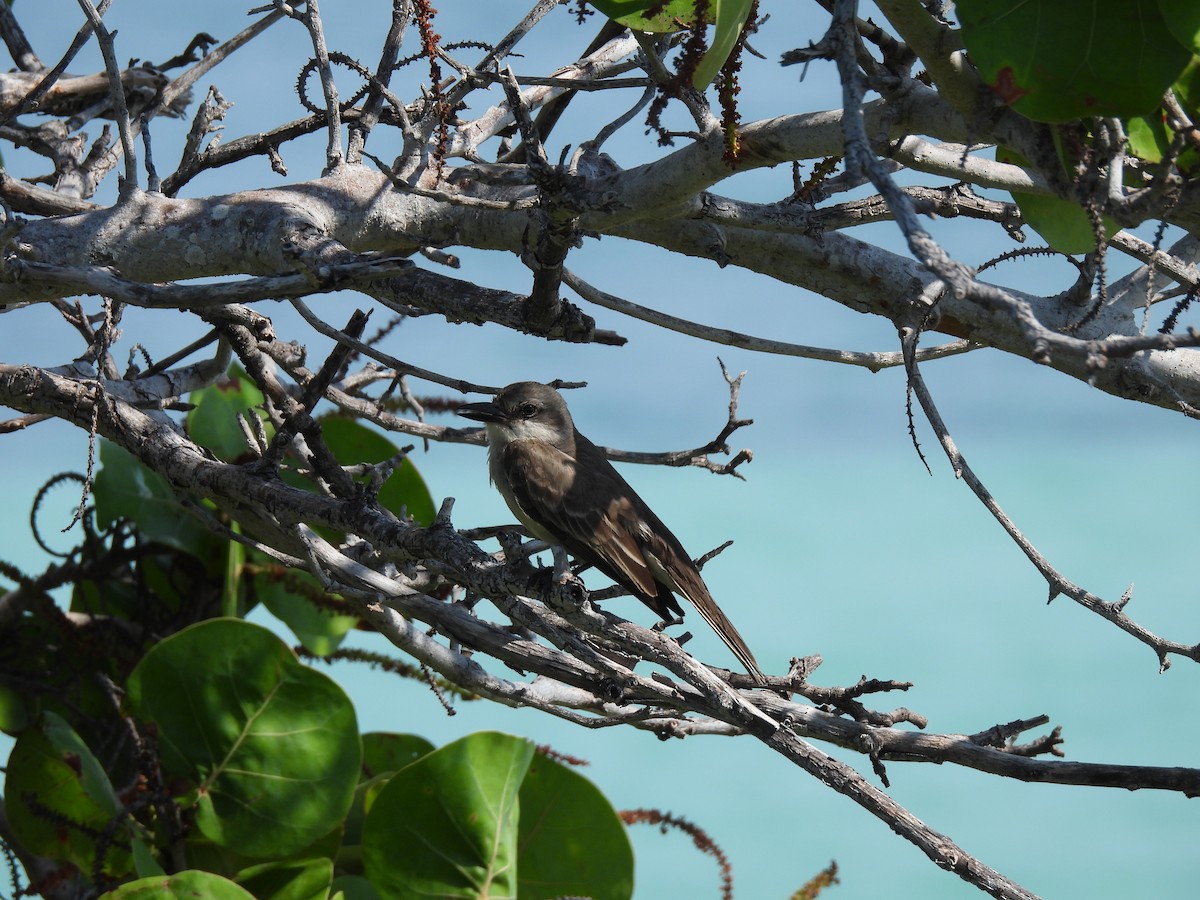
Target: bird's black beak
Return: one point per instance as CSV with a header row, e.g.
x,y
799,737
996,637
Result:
x,y
482,412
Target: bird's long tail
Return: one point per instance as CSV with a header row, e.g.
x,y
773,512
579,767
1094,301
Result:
x,y
719,622
684,578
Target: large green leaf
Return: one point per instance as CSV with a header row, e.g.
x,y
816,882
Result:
x,y
126,489
1055,61
189,885
270,745
38,641
162,576
349,854
1187,90
58,798
384,754
729,16
352,442
286,595
298,879
213,419
385,751
1149,137
1183,20
1064,225
446,826
631,13
201,853
1187,87
572,843
15,710
354,887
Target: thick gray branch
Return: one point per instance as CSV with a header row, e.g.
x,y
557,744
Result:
x,y
151,238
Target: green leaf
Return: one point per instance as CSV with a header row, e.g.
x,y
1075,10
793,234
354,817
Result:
x,y
15,709
1064,225
446,826
1148,136
106,597
125,598
1187,87
284,594
231,583
1187,90
270,745
145,863
1183,20
1057,62
58,797
384,754
364,795
213,420
384,751
355,887
37,641
92,776
126,489
201,853
353,442
572,843
630,13
297,879
406,490
189,885
730,18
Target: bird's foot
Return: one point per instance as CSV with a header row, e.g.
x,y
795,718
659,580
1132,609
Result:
x,y
561,564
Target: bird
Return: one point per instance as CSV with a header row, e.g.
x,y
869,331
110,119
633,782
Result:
x,y
563,489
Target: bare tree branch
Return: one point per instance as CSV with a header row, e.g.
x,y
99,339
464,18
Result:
x,y
445,179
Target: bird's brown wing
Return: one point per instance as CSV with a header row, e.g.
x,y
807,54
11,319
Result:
x,y
577,505
658,548
600,519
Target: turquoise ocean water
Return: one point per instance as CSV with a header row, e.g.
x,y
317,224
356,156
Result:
x,y
844,546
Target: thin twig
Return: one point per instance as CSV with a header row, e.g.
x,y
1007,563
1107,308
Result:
x,y
108,51
874,361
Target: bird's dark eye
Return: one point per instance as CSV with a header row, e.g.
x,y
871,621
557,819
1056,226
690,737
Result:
x,y
528,410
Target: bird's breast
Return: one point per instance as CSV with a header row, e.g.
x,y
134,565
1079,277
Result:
x,y
504,467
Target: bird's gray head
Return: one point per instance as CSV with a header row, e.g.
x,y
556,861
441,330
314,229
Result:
x,y
525,411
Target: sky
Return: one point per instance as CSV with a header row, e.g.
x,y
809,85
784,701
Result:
x,y
844,544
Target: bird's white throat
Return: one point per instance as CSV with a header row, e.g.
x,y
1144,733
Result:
x,y
501,433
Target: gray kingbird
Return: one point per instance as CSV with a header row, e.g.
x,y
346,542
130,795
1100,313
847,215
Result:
x,y
567,493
